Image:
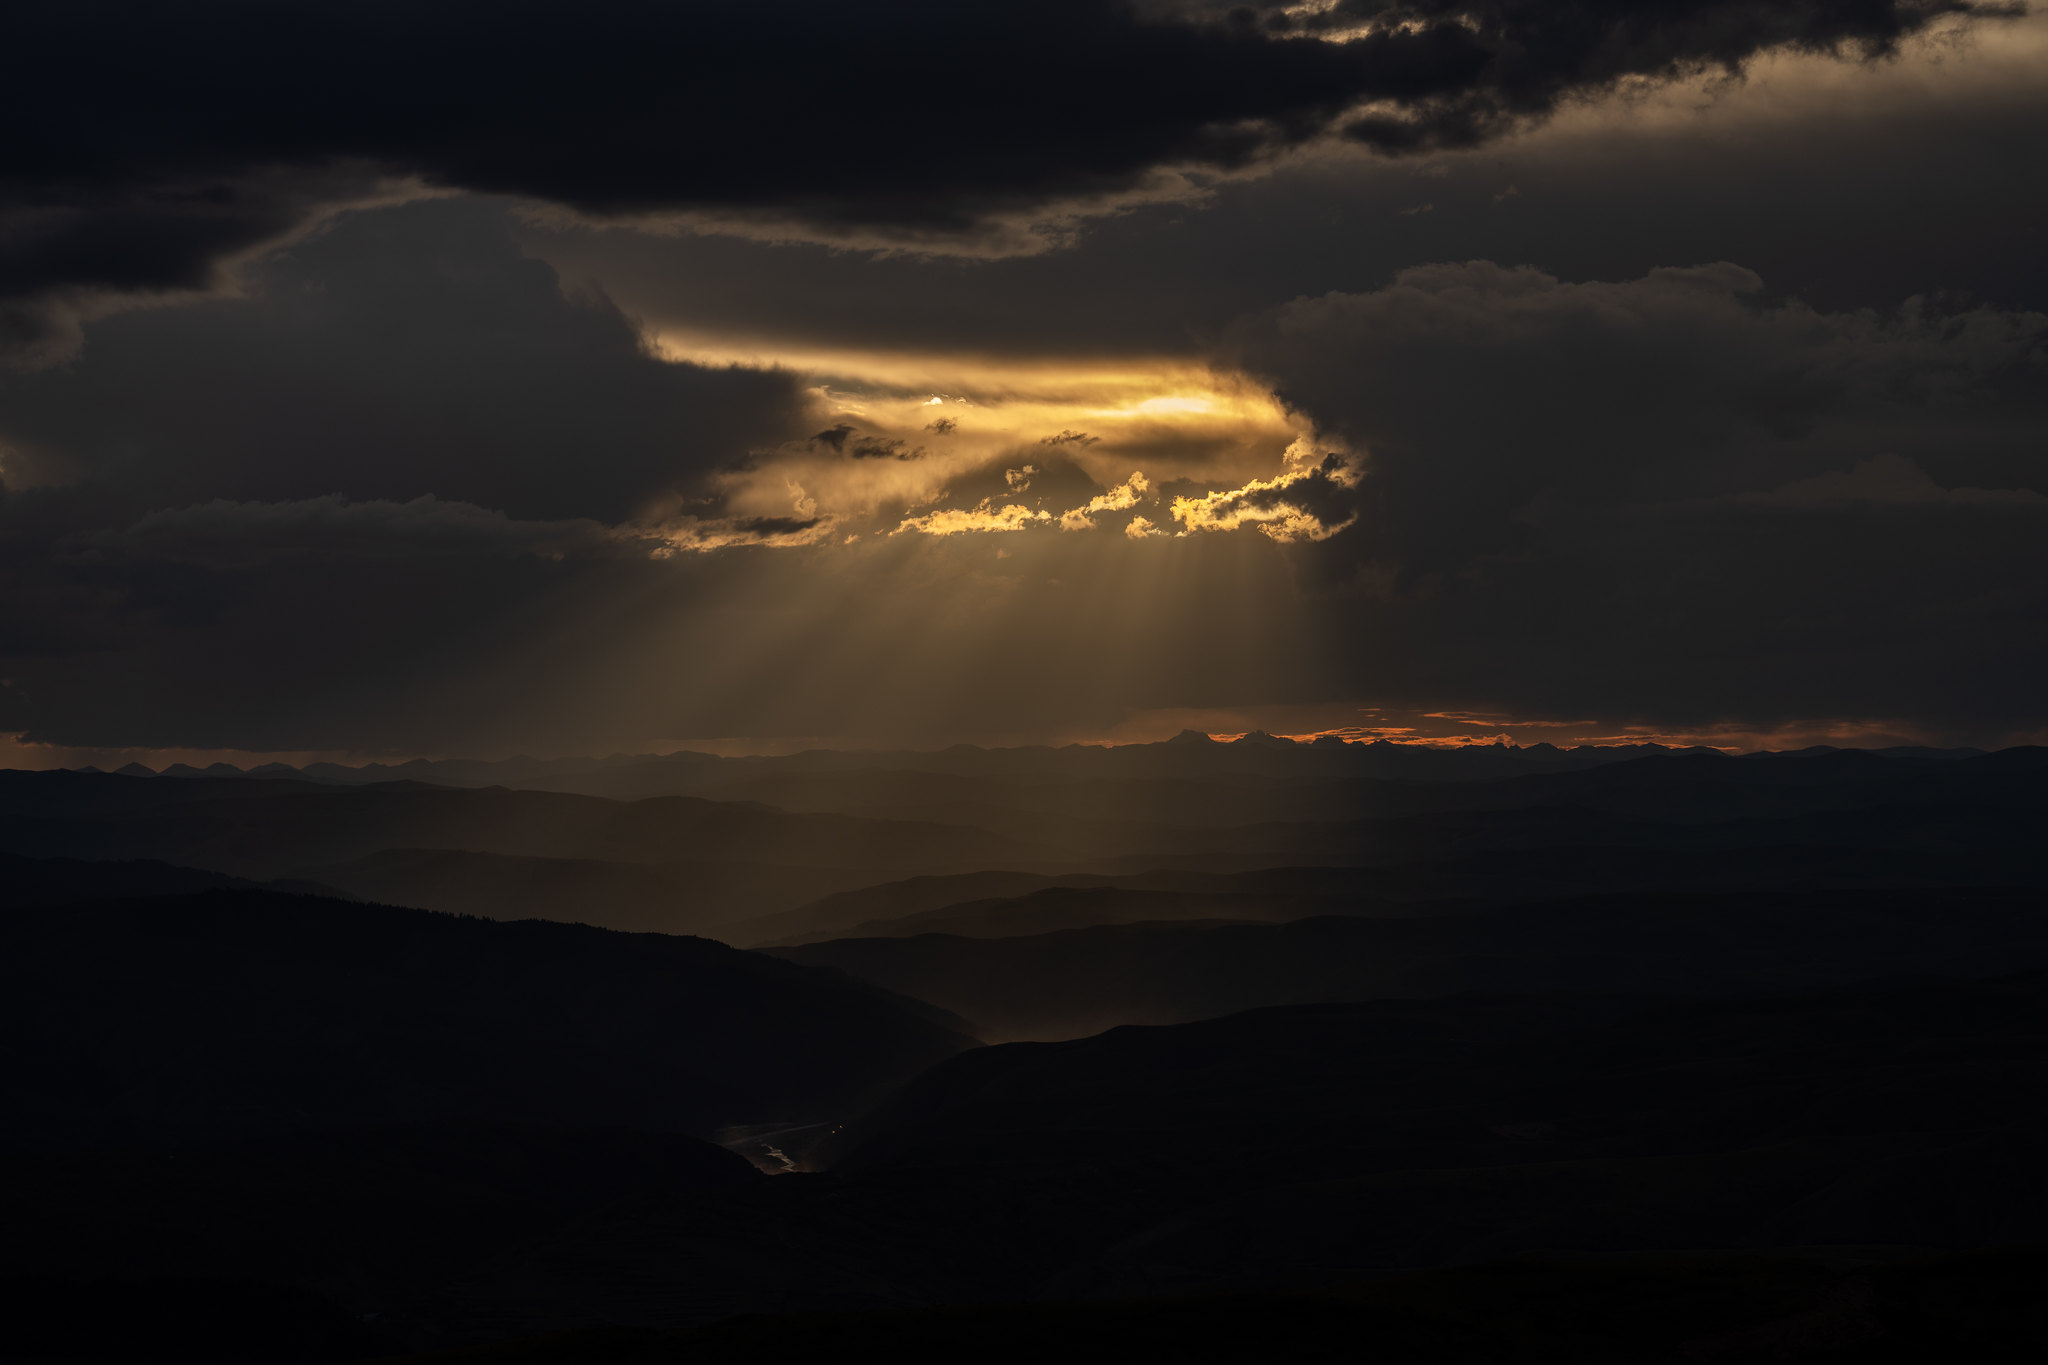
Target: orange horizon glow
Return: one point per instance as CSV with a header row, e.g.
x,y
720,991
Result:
x,y
21,754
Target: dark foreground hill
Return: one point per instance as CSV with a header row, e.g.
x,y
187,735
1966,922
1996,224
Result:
x,y
1643,1176
236,1012
1985,1307
1285,1148
320,1228
39,883
1071,983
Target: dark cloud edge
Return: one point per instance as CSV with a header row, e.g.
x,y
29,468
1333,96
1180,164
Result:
x,y
205,131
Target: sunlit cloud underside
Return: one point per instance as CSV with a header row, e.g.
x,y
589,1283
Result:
x,y
949,445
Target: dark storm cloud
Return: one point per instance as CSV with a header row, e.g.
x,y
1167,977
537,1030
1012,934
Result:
x,y
246,623
884,448
551,640
1914,179
1479,392
1311,503
146,142
1676,496
438,626
842,439
406,352
64,249
370,495
388,470
771,528
227,534
1538,52
89,572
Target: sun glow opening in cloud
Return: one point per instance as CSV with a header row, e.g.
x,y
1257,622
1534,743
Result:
x,y
946,444
1169,404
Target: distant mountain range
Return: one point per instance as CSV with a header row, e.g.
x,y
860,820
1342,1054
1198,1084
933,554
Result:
x,y
752,872
629,776
317,1070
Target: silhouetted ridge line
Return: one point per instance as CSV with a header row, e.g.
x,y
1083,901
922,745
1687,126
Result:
x,y
1072,982
646,774
232,1012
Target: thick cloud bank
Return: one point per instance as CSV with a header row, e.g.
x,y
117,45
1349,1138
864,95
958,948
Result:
x,y
1673,499
148,143
399,354
1674,494
378,394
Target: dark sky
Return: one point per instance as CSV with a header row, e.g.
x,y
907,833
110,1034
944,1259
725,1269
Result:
x,y
458,379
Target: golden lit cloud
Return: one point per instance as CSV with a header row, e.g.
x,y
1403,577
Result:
x,y
1121,498
1213,423
900,436
953,521
1284,507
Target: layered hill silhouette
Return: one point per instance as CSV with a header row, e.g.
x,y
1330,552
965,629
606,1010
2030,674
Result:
x,y
1058,804
1732,1042
1255,756
1075,982
234,1012
1003,905
696,897
754,873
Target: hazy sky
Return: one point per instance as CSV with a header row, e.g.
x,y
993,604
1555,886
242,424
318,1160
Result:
x,y
457,379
